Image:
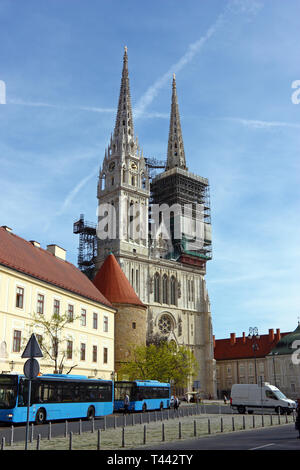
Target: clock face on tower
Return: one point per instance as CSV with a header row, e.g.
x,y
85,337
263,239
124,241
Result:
x,y
111,166
133,166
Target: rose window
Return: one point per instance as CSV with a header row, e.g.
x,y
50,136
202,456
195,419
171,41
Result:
x,y
165,324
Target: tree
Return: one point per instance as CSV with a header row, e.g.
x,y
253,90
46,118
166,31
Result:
x,y
164,362
53,342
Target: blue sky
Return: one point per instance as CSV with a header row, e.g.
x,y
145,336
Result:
x,y
235,62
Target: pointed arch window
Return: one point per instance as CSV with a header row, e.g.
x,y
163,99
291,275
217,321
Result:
x,y
156,287
165,288
173,291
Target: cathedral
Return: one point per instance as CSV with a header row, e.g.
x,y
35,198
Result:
x,y
149,221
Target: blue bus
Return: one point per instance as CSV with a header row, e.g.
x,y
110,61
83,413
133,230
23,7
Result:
x,y
143,395
54,397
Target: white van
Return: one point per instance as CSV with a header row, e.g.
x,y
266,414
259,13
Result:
x,y
248,397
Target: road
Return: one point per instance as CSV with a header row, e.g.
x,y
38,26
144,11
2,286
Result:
x,y
278,438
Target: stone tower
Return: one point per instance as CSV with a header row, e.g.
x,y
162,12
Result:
x,y
165,265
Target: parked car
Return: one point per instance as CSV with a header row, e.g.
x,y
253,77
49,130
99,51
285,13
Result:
x,y
248,397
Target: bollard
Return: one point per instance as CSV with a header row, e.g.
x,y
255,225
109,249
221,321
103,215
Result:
x,y
123,437
132,420
124,421
286,418
155,416
262,421
115,422
105,423
233,428
49,431
195,428
66,428
3,443
221,424
70,440
244,424
80,427
141,418
38,442
31,434
179,430
271,420
12,435
168,415
145,432
208,424
278,418
253,421
148,414
93,425
99,439
163,432
161,415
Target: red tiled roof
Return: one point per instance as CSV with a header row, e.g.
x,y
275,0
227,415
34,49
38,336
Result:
x,y
114,285
241,347
20,255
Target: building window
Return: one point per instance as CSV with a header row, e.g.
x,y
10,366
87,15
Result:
x,y
156,287
82,351
165,324
39,339
40,304
105,355
17,341
134,325
95,321
105,324
70,313
83,317
173,291
69,349
165,289
20,297
94,353
56,307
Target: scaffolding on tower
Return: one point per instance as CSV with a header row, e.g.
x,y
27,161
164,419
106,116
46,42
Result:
x,y
87,251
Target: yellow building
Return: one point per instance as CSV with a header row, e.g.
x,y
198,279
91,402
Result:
x,y
35,282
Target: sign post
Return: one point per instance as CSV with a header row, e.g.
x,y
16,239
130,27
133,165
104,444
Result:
x,y
31,370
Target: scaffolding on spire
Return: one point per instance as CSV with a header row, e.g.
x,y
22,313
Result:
x,y
87,250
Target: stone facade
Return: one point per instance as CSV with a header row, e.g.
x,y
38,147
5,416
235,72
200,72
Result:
x,y
174,292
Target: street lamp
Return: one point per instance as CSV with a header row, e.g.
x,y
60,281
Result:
x,y
274,354
254,337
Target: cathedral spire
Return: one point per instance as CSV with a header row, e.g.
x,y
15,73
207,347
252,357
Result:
x,y
124,132
176,155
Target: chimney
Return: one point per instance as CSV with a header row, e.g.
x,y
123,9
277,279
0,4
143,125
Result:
x,y
57,251
232,339
244,337
278,335
271,335
34,243
8,229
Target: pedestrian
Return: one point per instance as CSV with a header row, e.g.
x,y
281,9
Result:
x,y
176,403
126,403
297,422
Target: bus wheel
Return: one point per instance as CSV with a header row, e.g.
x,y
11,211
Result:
x,y
40,416
144,409
91,413
241,409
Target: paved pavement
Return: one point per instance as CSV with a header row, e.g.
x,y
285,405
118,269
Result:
x,y
278,438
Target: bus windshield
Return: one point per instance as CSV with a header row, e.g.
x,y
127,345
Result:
x,y
8,391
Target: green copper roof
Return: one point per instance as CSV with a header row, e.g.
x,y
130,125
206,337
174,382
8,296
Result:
x,y
284,346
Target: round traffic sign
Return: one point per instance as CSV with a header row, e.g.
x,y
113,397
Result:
x,y
31,368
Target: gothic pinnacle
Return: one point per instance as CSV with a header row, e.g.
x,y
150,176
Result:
x,y
176,155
